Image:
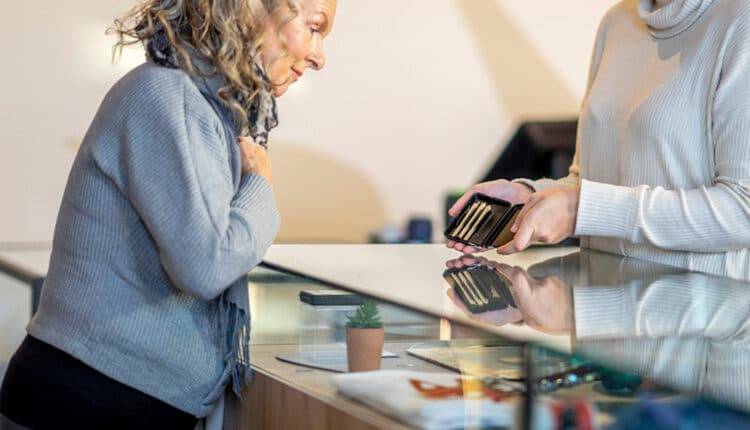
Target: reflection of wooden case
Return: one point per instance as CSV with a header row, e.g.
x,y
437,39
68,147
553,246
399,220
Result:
x,y
484,222
480,288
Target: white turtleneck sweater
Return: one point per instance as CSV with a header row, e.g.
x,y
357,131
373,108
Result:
x,y
663,151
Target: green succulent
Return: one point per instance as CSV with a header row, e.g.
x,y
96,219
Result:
x,y
366,316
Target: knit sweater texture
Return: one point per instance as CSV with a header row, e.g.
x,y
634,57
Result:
x,y
663,150
156,222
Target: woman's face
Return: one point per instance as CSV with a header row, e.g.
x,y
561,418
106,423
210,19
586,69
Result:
x,y
303,39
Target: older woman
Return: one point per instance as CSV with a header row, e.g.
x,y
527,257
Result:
x,y
662,167
144,318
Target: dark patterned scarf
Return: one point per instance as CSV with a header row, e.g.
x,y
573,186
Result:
x,y
262,116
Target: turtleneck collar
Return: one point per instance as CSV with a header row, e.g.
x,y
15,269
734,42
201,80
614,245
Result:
x,y
674,17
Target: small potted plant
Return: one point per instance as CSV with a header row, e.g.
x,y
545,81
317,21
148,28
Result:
x,y
364,338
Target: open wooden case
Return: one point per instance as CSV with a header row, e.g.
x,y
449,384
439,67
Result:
x,y
485,222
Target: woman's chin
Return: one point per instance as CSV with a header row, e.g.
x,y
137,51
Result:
x,y
279,90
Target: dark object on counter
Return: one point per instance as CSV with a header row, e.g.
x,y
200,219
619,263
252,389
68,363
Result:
x,y
419,230
485,222
330,298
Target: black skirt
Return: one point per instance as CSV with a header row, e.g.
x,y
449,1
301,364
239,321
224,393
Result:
x,y
45,388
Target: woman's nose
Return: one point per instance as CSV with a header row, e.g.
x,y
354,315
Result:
x,y
317,59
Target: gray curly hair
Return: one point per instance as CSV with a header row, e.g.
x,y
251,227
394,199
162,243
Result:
x,y
225,33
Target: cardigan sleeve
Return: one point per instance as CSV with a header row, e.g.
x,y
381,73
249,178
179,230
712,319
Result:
x,y
178,175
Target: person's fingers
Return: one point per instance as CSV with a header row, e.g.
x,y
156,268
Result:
x,y
468,249
461,202
245,145
520,242
251,148
468,260
505,270
524,211
520,285
454,264
247,140
461,247
525,234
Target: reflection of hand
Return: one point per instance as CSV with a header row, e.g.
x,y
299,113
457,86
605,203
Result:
x,y
545,304
514,193
549,216
497,317
467,260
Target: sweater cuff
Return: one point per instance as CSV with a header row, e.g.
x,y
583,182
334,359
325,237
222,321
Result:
x,y
537,185
544,183
606,210
256,202
602,312
528,182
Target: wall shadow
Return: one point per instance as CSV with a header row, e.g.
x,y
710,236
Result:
x,y
524,83
322,199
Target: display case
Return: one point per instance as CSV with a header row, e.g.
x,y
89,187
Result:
x,y
547,338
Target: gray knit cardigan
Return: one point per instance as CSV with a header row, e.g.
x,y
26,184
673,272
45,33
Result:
x,y
156,223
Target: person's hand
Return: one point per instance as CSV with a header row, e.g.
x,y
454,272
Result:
x,y
549,216
254,159
545,304
512,192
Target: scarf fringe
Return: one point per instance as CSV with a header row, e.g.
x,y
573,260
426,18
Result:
x,y
235,322
234,309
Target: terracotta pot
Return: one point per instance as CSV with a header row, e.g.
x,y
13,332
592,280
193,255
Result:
x,y
364,347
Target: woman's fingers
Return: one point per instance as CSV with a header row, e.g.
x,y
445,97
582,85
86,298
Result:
x,y
254,159
548,217
521,241
523,228
461,247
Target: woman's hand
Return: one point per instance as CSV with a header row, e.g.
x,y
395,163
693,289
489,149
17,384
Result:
x,y
254,159
512,192
549,216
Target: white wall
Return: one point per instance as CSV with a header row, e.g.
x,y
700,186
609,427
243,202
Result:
x,y
417,97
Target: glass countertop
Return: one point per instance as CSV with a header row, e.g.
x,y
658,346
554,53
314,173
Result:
x,y
684,329
652,326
